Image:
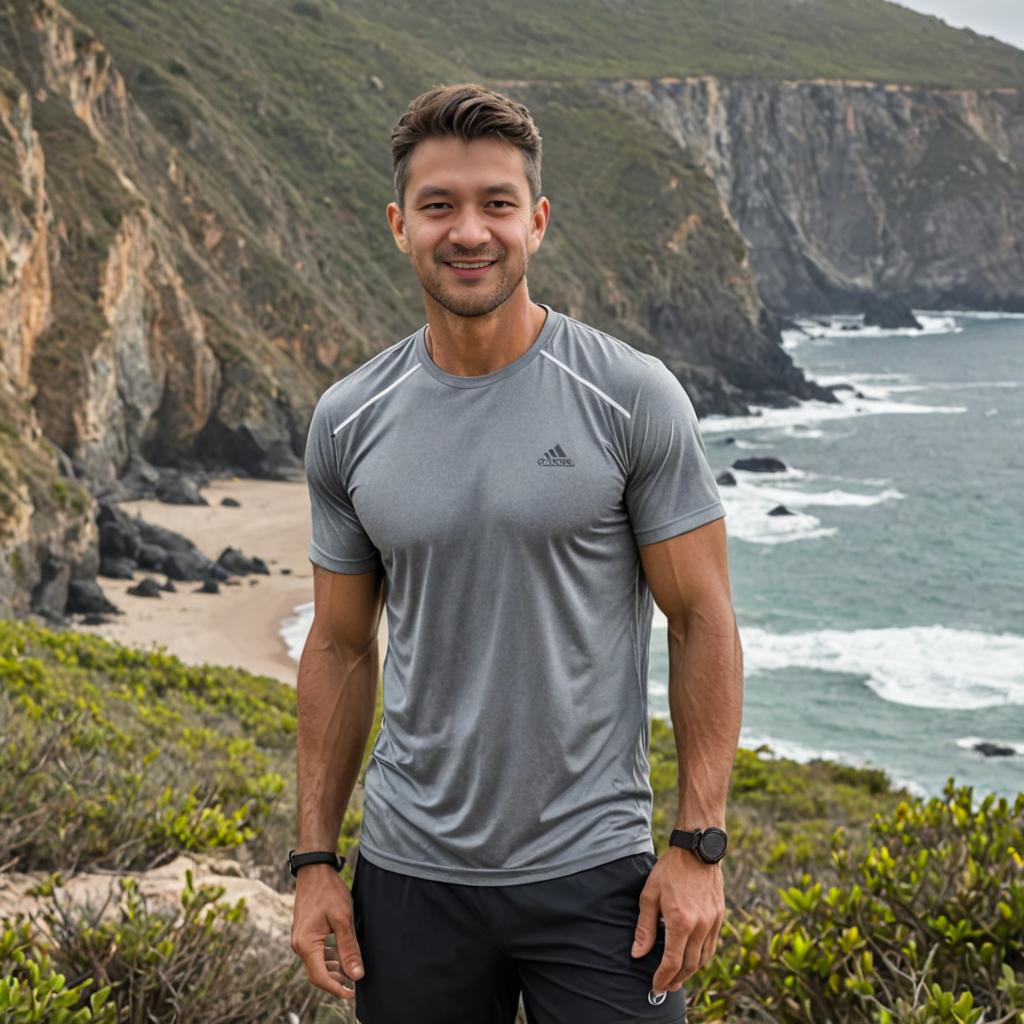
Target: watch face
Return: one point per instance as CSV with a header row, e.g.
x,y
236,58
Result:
x,y
712,844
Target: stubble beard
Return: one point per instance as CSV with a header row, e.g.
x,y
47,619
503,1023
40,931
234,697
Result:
x,y
474,301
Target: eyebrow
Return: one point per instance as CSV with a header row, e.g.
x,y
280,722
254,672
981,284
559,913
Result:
x,y
504,187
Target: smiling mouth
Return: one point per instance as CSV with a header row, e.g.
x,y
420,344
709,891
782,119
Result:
x,y
470,264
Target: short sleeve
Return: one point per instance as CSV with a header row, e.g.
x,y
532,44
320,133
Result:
x,y
670,488
338,540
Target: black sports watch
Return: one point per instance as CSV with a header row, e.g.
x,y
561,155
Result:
x,y
707,843
300,860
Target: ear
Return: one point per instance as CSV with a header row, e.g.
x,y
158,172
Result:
x,y
538,224
396,221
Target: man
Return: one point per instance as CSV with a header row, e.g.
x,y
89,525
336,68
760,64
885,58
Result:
x,y
515,485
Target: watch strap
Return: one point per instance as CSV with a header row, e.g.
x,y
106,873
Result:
x,y
682,838
300,860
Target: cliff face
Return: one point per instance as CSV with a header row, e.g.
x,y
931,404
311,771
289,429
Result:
x,y
193,241
846,189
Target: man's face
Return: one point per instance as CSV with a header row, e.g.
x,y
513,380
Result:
x,y
468,202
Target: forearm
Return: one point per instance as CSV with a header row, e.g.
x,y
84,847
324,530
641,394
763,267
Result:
x,y
337,695
705,696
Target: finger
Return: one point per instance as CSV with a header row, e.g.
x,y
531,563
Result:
x,y
710,944
676,939
341,978
348,953
691,960
316,970
646,929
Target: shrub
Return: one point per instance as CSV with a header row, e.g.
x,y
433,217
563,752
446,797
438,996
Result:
x,y
202,962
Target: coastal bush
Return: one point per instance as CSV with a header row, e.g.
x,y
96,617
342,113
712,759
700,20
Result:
x,y
202,961
848,901
922,923
119,758
115,757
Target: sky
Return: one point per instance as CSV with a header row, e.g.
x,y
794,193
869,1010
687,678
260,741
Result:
x,y
1003,19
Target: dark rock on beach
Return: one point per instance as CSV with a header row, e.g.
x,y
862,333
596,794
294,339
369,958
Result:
x,y
208,587
781,510
725,479
231,502
116,568
86,596
179,490
239,564
148,586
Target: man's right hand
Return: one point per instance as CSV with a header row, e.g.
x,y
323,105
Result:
x,y
323,904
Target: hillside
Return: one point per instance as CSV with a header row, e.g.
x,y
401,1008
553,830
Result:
x,y
192,209
763,39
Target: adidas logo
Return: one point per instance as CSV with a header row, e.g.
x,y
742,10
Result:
x,y
555,457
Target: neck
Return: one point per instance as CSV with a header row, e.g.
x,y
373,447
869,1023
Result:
x,y
475,346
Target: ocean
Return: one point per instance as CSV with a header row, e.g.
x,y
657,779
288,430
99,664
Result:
x,y
883,622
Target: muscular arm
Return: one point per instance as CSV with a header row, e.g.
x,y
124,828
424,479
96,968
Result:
x,y
689,579
337,694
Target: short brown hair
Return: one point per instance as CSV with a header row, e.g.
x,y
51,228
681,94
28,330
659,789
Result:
x,y
465,111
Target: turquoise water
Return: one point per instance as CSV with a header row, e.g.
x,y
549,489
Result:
x,y
883,623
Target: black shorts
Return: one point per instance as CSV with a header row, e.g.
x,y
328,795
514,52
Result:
x,y
445,953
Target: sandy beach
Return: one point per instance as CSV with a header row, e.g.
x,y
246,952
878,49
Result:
x,y
240,625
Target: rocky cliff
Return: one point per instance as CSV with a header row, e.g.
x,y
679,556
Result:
x,y
847,189
194,243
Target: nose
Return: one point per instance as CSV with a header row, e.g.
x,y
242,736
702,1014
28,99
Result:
x,y
469,230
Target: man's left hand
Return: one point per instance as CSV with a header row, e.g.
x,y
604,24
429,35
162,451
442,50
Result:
x,y
689,895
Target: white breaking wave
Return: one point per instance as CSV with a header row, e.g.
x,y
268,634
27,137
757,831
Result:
x,y
918,666
839,326
814,410
294,629
976,314
748,503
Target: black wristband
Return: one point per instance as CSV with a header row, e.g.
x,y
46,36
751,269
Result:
x,y
299,860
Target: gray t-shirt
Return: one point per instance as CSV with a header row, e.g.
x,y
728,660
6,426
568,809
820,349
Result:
x,y
506,510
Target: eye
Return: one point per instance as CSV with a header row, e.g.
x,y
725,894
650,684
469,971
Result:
x,y
505,202
429,205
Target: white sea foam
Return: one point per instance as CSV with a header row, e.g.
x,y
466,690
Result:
x,y
748,503
975,314
294,629
840,326
814,411
918,666
801,753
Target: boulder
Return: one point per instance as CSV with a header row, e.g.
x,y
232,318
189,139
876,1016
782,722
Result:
x,y
86,596
890,313
760,464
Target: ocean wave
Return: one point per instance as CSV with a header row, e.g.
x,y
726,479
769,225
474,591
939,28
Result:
x,y
294,629
815,411
974,314
918,666
814,330
754,495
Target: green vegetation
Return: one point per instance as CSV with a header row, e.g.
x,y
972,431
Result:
x,y
199,962
591,39
848,901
